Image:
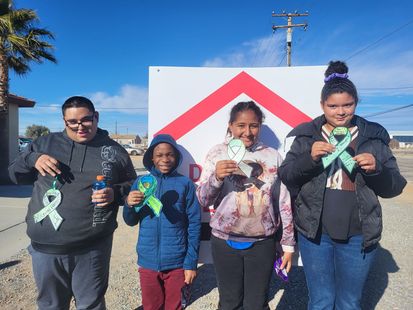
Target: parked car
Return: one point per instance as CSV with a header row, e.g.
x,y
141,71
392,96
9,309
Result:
x,y
133,150
23,143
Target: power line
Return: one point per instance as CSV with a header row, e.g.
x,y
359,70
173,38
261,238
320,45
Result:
x,y
388,111
254,61
385,88
267,50
380,39
282,59
97,108
274,51
270,51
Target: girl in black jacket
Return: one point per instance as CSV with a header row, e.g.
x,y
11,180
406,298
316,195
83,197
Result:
x,y
337,165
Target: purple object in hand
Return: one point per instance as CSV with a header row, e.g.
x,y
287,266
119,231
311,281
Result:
x,y
280,272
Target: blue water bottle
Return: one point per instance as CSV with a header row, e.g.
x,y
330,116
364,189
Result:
x,y
98,214
99,184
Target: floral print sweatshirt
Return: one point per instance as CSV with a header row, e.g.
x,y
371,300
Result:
x,y
247,209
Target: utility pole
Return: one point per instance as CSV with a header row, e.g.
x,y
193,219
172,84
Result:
x,y
289,27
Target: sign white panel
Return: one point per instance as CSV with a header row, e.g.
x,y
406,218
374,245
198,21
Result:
x,y
193,105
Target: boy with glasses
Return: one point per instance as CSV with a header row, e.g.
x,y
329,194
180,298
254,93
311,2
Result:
x,y
71,229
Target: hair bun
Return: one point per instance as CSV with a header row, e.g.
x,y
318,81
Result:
x,y
336,67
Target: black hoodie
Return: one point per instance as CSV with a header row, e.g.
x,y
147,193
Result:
x,y
307,178
83,223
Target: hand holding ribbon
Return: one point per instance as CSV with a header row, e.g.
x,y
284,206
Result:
x,y
147,185
320,149
224,168
340,149
135,197
51,200
366,161
236,152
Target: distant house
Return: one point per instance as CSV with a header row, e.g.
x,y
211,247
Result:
x,y
405,138
16,102
126,139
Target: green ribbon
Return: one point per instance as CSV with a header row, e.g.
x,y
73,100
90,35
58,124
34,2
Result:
x,y
236,151
340,150
51,200
147,185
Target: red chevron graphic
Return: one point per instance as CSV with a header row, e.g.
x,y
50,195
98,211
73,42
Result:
x,y
242,83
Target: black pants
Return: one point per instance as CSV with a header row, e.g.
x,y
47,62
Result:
x,y
83,275
243,276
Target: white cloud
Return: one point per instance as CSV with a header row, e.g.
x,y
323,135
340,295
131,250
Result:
x,y
131,99
263,52
383,73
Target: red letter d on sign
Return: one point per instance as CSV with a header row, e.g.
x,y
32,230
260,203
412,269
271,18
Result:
x,y
194,172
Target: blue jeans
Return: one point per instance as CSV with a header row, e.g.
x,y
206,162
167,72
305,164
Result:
x,y
335,271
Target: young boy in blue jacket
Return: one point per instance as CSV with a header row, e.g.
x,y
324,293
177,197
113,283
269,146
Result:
x,y
168,244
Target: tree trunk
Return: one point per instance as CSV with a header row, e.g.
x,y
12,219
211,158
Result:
x,y
4,119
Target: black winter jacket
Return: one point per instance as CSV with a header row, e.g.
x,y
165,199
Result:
x,y
307,178
83,223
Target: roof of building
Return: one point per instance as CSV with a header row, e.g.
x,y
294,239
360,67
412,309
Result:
x,y
20,101
401,133
115,136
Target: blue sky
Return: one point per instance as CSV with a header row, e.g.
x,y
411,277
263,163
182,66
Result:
x,y
104,49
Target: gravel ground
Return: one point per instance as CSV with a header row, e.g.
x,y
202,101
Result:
x,y
390,283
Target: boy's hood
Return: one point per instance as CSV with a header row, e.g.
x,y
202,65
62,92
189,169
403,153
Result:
x,y
162,138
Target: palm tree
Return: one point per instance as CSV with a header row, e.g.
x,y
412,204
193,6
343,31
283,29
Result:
x,y
20,44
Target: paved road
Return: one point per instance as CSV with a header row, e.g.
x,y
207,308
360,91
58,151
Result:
x,y
13,204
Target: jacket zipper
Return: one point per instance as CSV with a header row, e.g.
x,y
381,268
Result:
x,y
359,210
159,191
356,150
158,224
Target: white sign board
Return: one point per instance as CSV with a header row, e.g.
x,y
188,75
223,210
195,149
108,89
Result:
x,y
193,105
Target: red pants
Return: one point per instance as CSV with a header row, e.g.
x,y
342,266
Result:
x,y
161,290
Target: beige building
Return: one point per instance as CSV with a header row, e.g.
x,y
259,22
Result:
x,y
10,132
16,102
126,139
404,138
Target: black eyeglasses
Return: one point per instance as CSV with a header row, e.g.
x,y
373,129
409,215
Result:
x,y
74,124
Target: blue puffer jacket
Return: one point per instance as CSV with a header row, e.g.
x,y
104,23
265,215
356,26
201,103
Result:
x,y
171,240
